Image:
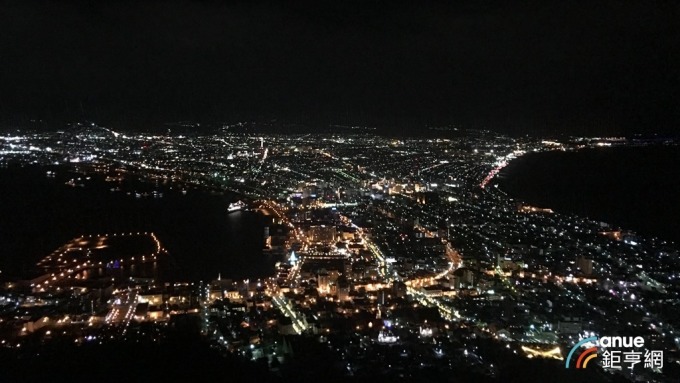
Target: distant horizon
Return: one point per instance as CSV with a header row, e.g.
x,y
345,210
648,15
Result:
x,y
587,68
270,126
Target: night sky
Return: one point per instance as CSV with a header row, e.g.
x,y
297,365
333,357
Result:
x,y
593,67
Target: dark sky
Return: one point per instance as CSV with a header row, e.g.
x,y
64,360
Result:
x,y
595,67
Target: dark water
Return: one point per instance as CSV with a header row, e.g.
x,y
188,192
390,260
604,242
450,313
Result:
x,y
636,188
38,214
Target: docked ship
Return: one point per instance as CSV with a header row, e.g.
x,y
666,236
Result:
x,y
236,206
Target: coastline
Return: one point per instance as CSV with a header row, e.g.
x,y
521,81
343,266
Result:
x,y
523,179
188,224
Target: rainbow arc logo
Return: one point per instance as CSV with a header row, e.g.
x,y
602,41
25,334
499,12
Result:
x,y
585,356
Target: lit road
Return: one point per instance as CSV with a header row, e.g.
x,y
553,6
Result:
x,y
375,250
299,325
294,272
123,309
446,311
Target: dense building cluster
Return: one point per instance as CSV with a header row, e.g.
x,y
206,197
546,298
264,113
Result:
x,y
398,256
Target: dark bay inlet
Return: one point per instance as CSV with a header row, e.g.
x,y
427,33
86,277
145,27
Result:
x,y
637,188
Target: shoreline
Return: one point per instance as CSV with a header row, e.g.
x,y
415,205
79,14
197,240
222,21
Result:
x,y
501,180
173,215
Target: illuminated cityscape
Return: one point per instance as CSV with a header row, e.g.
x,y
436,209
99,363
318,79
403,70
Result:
x,y
339,191
385,249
